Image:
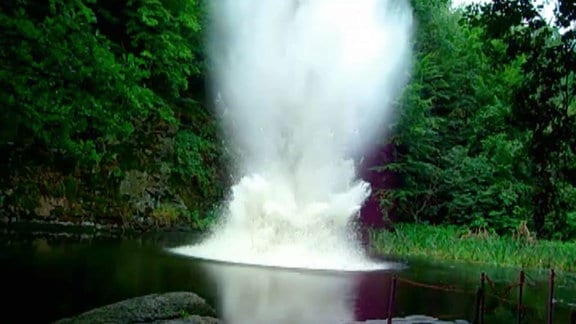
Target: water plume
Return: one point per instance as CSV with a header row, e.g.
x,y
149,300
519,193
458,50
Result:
x,y
303,88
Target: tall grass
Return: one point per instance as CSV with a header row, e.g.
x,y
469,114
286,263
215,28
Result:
x,y
456,244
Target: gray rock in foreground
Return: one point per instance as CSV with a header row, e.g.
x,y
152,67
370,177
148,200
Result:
x,y
193,319
168,308
414,319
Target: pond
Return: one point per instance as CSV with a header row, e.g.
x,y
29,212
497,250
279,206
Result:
x,y
54,278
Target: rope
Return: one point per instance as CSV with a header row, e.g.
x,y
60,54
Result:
x,y
451,288
436,287
506,291
490,290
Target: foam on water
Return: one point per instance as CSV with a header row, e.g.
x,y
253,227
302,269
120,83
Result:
x,y
304,87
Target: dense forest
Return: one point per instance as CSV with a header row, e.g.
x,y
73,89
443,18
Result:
x,y
104,116
486,137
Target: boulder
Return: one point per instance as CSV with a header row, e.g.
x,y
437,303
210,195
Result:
x,y
414,319
173,307
193,319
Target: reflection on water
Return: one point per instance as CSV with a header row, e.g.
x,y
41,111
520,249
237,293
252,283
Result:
x,y
272,295
56,279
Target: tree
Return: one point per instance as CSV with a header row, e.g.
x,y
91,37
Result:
x,y
460,159
544,103
93,89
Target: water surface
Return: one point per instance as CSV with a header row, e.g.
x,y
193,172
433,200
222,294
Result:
x,y
52,279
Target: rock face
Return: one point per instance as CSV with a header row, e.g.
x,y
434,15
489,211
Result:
x,y
168,308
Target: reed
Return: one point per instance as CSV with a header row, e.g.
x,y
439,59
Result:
x,y
458,244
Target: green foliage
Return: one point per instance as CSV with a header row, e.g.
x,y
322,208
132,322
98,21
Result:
x,y
82,76
94,89
485,133
459,160
200,222
165,34
166,214
191,156
457,244
542,103
64,86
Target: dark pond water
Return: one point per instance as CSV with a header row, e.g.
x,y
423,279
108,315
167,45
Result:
x,y
45,279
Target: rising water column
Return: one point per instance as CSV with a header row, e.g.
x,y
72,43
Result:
x,y
303,87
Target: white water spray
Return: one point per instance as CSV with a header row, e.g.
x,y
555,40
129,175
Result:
x,y
304,87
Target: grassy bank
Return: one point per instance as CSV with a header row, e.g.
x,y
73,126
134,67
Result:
x,y
457,244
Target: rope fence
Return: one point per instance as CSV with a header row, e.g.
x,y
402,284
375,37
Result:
x,y
488,288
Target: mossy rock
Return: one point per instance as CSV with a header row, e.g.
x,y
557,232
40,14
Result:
x,y
154,308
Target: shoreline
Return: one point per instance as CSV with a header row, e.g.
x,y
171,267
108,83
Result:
x,y
440,243
456,244
65,231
